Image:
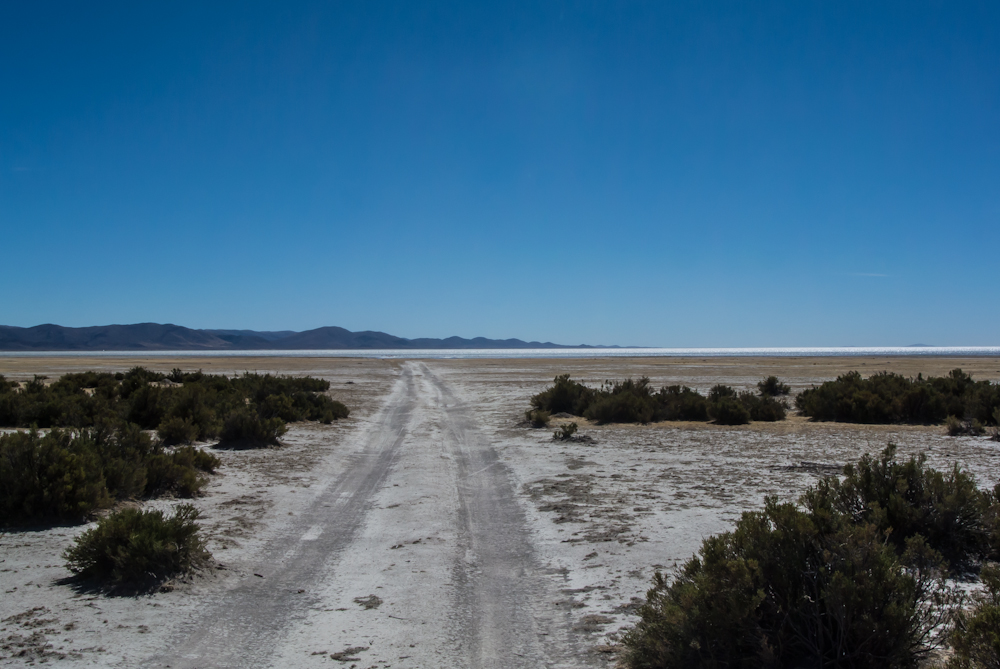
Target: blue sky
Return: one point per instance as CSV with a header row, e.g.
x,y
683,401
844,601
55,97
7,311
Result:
x,y
663,174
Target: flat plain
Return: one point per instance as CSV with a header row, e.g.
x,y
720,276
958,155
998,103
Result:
x,y
433,528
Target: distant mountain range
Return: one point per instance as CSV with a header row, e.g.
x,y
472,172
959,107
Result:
x,y
157,337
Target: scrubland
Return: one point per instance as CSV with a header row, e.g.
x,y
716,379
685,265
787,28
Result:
x,y
595,515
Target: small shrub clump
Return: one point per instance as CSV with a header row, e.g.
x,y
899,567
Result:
x,y
565,432
538,417
968,427
892,398
772,387
636,401
138,548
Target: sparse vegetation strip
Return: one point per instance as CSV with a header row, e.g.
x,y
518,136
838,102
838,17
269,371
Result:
x,y
887,397
106,455
182,407
65,475
636,401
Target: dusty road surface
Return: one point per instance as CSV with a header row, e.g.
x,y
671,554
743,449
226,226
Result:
x,y
485,603
434,529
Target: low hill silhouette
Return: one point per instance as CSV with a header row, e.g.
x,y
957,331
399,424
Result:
x,y
169,337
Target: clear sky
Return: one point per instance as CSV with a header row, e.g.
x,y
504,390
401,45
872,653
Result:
x,y
648,173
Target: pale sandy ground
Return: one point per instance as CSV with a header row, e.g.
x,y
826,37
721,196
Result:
x,y
596,519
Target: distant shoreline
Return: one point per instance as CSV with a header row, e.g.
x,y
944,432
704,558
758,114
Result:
x,y
508,353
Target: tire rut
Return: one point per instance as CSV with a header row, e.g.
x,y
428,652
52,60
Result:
x,y
499,617
243,628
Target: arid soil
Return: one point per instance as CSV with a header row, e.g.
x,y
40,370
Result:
x,y
433,529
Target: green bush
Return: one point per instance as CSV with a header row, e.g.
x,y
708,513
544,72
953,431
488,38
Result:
x,y
976,635
891,398
968,427
133,547
635,401
178,472
625,401
244,428
905,499
772,387
682,403
762,407
55,476
728,411
788,589
564,396
177,430
852,578
565,432
537,417
67,475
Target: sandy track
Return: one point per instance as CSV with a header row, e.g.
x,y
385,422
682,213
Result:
x,y
499,602
494,614
240,630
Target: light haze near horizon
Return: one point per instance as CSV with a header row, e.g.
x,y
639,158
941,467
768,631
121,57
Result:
x,y
652,174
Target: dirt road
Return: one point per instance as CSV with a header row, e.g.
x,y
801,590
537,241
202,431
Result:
x,y
488,606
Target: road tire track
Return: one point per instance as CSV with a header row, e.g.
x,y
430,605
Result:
x,y
499,613
243,628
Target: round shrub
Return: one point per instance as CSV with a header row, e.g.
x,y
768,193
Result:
x,y
244,428
537,417
177,430
728,411
787,589
772,387
137,547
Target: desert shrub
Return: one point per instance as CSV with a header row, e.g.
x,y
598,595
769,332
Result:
x,y
177,430
788,589
280,406
968,427
635,401
772,387
976,635
124,452
905,499
143,397
682,403
55,476
625,401
891,398
565,432
165,474
67,475
313,406
133,547
762,407
178,471
537,417
728,411
564,396
719,391
244,428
